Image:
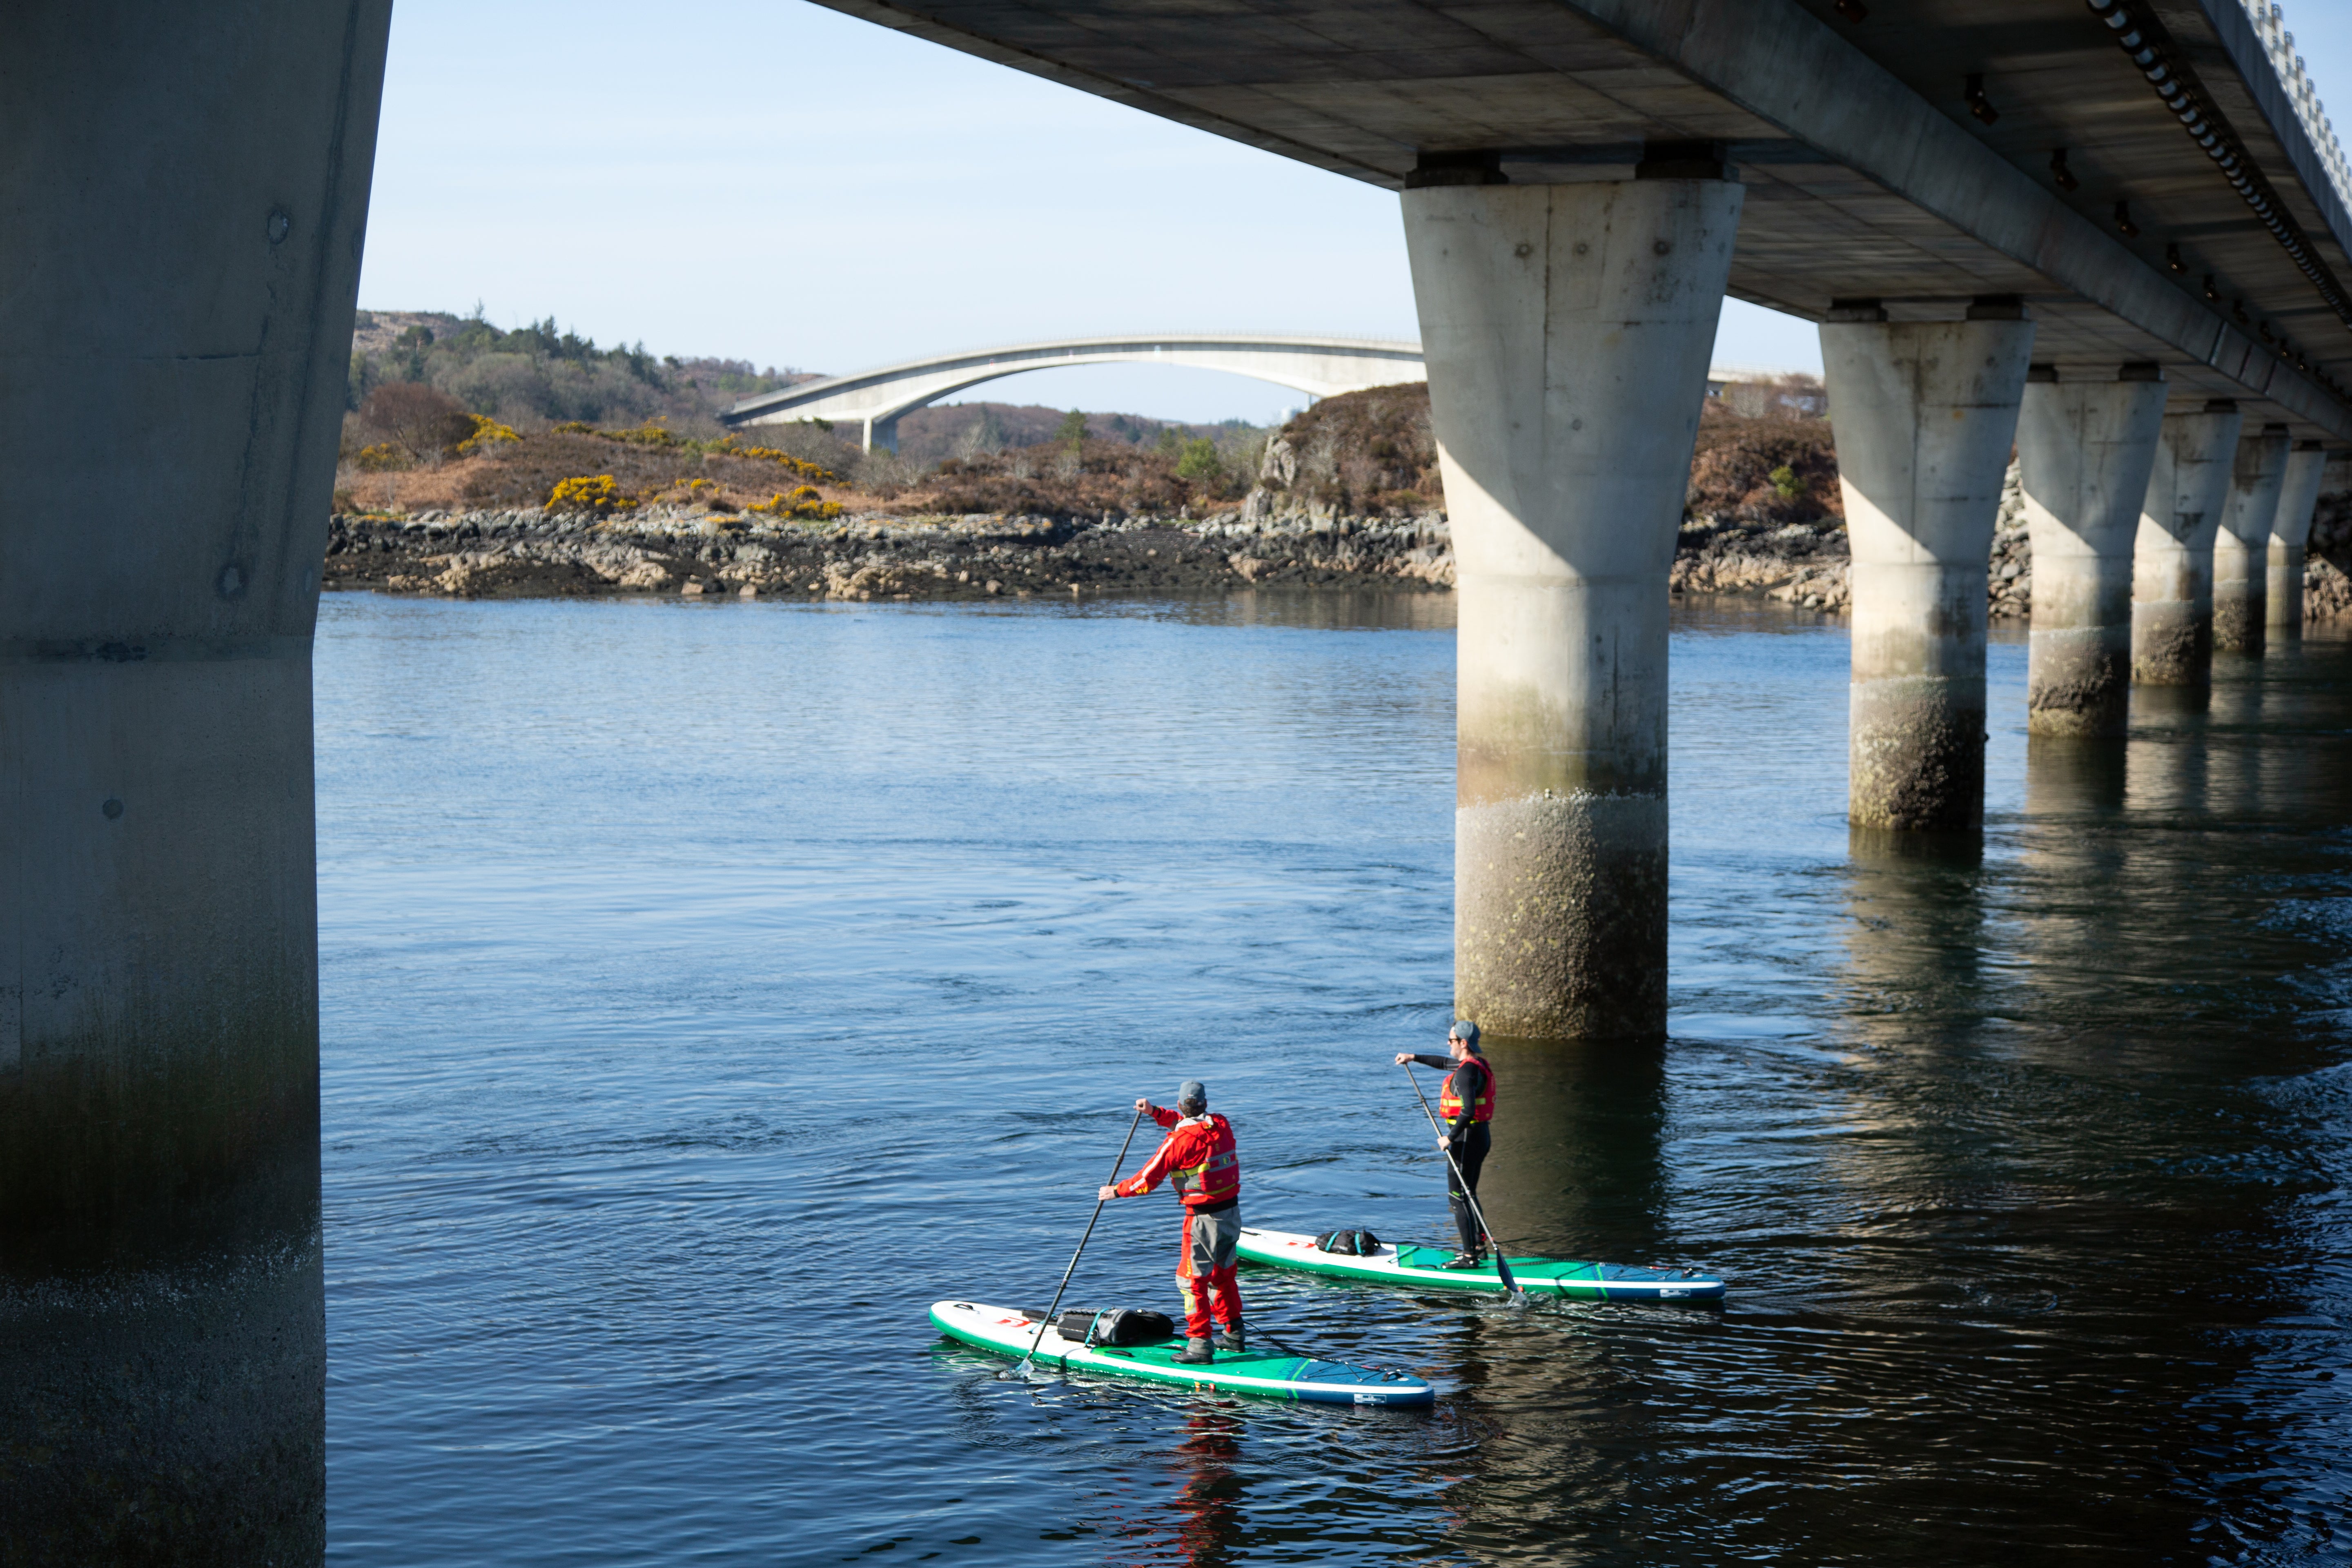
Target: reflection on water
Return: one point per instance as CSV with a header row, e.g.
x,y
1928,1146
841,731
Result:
x,y
1577,1167
709,988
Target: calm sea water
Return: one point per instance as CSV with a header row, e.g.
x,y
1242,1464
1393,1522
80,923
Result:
x,y
710,988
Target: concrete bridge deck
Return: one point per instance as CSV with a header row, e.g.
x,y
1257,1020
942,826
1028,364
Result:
x,y
1869,172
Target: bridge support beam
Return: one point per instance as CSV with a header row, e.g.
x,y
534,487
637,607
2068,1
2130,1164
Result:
x,y
2084,449
1924,414
2291,538
1567,330
186,203
2241,546
2172,559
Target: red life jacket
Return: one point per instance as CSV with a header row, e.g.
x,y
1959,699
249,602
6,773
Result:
x,y
1216,1178
1482,1109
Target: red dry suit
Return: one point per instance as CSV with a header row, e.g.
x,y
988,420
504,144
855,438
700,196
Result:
x,y
1198,1156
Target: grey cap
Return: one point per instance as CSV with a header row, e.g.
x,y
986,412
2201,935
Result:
x,y
1466,1032
1192,1092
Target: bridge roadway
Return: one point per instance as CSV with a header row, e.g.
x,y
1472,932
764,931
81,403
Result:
x,y
2114,232
872,399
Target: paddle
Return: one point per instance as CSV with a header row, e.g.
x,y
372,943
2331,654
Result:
x,y
1022,1366
1502,1264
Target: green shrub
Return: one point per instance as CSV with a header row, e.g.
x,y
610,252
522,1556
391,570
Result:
x,y
1198,462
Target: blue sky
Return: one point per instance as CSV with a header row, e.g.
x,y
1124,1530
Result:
x,y
766,180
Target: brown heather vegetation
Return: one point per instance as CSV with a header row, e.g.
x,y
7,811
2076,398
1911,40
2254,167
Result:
x,y
1084,478
1764,457
410,447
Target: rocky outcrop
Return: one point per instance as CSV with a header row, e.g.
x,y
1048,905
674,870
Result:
x,y
1808,565
509,555
1797,563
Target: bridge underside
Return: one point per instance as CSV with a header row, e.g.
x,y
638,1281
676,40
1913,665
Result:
x,y
1866,174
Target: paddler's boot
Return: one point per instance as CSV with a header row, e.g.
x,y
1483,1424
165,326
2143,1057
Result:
x,y
1231,1340
1463,1260
1196,1352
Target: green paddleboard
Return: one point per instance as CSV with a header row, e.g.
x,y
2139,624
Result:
x,y
1008,1330
1421,1268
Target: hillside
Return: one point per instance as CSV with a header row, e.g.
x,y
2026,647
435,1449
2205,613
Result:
x,y
537,374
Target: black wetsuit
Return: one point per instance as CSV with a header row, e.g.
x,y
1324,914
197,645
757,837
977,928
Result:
x,y
1470,1144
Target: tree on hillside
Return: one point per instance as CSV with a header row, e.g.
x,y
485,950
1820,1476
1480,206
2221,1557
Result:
x,y
1199,461
1073,427
421,422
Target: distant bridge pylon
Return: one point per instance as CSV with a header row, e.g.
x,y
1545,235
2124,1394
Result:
x,y
874,399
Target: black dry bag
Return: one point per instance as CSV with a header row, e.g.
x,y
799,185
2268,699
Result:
x,y
1119,1326
1354,1243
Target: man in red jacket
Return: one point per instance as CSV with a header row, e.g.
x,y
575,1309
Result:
x,y
1198,1155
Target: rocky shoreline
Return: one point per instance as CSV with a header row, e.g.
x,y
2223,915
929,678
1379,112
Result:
x,y
536,555
524,554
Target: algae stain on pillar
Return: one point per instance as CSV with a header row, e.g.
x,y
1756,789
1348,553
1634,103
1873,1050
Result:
x,y
2084,452
2172,557
1568,330
2241,545
1924,414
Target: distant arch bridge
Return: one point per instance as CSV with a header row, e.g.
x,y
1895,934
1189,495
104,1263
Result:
x,y
874,399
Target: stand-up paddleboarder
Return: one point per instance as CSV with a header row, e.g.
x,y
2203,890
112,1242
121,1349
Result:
x,y
1465,1105
1198,1155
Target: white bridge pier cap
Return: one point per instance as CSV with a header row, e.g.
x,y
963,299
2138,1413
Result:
x,y
1318,366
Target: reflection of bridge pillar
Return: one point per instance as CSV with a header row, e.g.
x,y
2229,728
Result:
x,y
1567,330
2084,448
2290,538
1924,412
2172,559
2241,546
184,228
1578,1168
1915,942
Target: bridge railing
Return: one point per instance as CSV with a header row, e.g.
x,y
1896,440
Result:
x,y
2270,26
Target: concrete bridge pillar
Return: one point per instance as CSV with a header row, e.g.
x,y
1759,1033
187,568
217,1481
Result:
x,y
1567,331
186,194
1924,414
2291,537
2084,449
2241,546
2172,559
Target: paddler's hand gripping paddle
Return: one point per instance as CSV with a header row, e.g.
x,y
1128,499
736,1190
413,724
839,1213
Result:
x,y
1023,1365
1502,1266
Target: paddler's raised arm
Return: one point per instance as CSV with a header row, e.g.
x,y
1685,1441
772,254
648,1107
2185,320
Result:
x,y
1155,1170
1421,1061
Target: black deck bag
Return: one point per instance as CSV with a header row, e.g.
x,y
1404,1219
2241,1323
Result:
x,y
1354,1243
1119,1326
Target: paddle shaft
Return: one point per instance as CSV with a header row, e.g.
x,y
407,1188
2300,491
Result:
x,y
1445,1148
1040,1336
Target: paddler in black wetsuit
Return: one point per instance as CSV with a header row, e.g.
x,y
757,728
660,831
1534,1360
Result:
x,y
1465,1106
